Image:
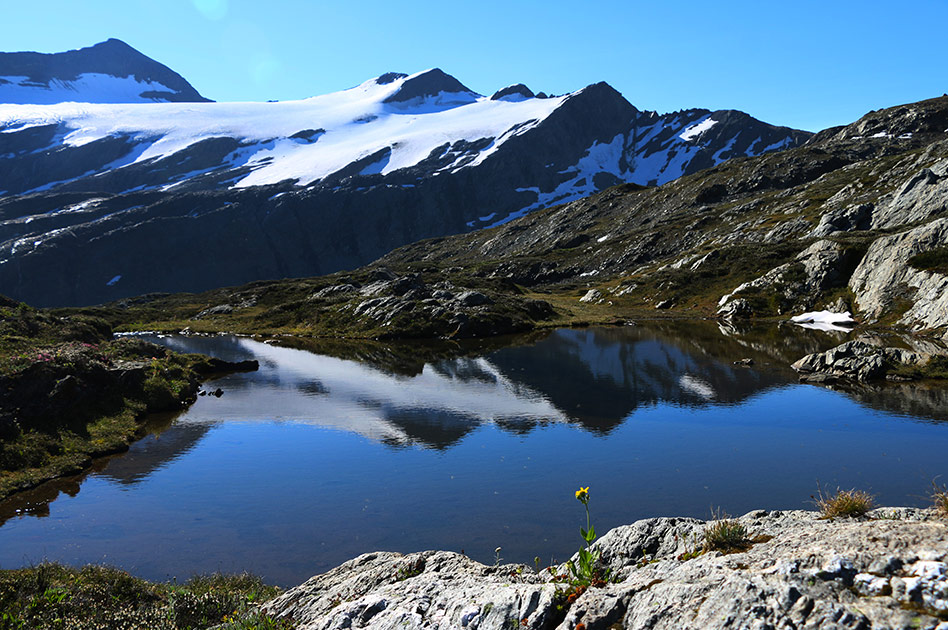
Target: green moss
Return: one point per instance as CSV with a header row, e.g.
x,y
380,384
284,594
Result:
x,y
719,275
935,368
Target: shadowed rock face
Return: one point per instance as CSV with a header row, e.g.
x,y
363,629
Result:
x,y
430,83
799,572
515,91
113,57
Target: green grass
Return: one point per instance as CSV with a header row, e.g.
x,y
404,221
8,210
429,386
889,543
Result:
x,y
844,503
726,535
719,275
53,596
935,368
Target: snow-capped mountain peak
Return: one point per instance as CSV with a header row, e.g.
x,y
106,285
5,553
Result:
x,y
109,72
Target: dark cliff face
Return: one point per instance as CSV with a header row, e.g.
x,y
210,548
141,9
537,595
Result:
x,y
83,223
112,57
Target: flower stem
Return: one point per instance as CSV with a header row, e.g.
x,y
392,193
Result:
x,y
586,505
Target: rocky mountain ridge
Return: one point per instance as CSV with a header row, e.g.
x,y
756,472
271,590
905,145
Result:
x,y
849,220
99,202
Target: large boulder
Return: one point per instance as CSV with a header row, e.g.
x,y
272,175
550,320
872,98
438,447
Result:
x,y
857,360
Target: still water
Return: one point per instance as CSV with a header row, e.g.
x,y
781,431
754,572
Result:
x,y
333,450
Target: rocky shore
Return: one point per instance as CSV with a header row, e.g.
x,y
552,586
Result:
x,y
868,358
887,570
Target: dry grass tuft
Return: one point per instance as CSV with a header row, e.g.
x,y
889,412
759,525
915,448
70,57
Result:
x,y
940,498
844,503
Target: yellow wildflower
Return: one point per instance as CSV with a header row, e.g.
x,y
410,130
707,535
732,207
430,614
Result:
x,y
583,494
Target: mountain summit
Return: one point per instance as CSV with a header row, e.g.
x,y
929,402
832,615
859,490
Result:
x,y
432,84
109,72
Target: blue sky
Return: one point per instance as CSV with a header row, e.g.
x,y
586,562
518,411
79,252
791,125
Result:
x,y
806,64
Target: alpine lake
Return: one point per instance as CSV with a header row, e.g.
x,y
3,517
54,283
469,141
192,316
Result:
x,y
334,449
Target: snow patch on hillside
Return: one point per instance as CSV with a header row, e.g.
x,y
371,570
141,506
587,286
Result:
x,y
698,128
599,158
661,167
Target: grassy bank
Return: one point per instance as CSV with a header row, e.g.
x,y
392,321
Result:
x,y
53,596
69,392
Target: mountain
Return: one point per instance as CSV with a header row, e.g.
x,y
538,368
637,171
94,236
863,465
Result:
x,y
856,219
99,202
109,72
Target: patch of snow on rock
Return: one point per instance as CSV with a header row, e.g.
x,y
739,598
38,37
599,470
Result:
x,y
698,128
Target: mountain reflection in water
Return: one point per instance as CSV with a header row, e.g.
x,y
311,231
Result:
x,y
333,449
591,377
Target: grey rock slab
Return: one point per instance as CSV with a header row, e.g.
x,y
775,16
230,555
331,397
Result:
x,y
922,196
856,217
861,359
473,298
822,262
884,277
887,571
593,295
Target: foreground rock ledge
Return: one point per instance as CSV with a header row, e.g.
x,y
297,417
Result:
x,y
885,572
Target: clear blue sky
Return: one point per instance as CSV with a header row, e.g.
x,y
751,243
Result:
x,y
806,64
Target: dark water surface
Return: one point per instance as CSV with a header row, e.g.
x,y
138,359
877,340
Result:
x,y
320,456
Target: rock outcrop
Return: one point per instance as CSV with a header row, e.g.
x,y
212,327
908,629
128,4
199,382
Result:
x,y
885,276
857,360
923,196
890,571
799,284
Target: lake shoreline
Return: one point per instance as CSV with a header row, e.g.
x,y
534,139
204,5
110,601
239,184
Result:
x,y
486,443
886,569
71,392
